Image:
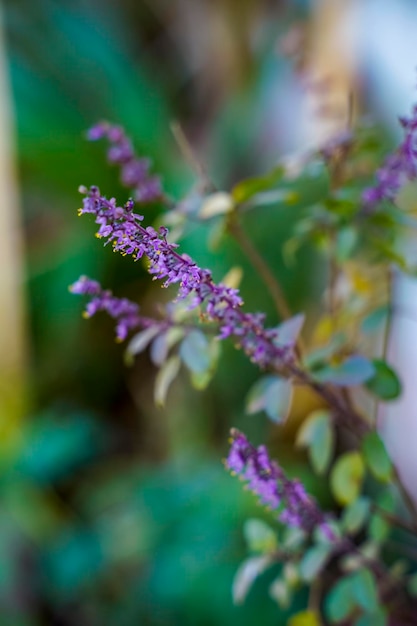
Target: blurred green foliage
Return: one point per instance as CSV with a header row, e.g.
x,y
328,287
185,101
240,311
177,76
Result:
x,y
112,511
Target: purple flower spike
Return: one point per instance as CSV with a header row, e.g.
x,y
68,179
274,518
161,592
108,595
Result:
x,y
220,304
125,312
134,172
398,169
267,480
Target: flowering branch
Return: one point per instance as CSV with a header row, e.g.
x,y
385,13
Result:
x,y
268,481
125,312
399,168
135,172
221,304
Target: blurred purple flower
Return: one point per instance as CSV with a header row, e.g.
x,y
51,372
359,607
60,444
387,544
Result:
x,y
221,304
267,480
135,172
399,167
121,309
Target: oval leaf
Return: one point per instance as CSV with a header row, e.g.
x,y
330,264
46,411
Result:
x,y
384,383
251,186
289,330
281,592
255,400
346,241
356,514
364,590
372,323
159,349
340,602
165,378
347,477
314,560
278,399
259,536
378,529
376,618
195,351
317,435
217,204
355,370
247,574
200,380
376,457
412,585
141,340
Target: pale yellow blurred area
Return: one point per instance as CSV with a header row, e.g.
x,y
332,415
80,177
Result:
x,y
13,336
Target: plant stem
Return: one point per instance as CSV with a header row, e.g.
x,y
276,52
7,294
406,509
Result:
x,y
394,519
263,269
190,156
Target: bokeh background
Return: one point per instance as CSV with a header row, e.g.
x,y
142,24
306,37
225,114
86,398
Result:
x,y
114,512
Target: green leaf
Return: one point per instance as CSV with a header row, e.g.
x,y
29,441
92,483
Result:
x,y
218,203
161,346
255,400
373,322
291,574
385,383
317,435
278,400
305,618
194,351
376,618
159,349
289,330
364,590
271,394
314,560
347,477
318,356
141,340
376,457
259,536
412,585
340,602
200,380
355,370
281,592
246,575
346,240
165,378
247,188
379,528
355,515
293,538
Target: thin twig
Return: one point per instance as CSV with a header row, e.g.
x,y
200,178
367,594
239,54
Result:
x,y
394,519
190,156
262,268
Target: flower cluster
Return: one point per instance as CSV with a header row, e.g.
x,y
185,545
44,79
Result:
x,y
221,304
268,481
135,172
399,168
125,312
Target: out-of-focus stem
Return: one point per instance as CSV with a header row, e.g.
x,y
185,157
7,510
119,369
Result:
x,y
262,268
